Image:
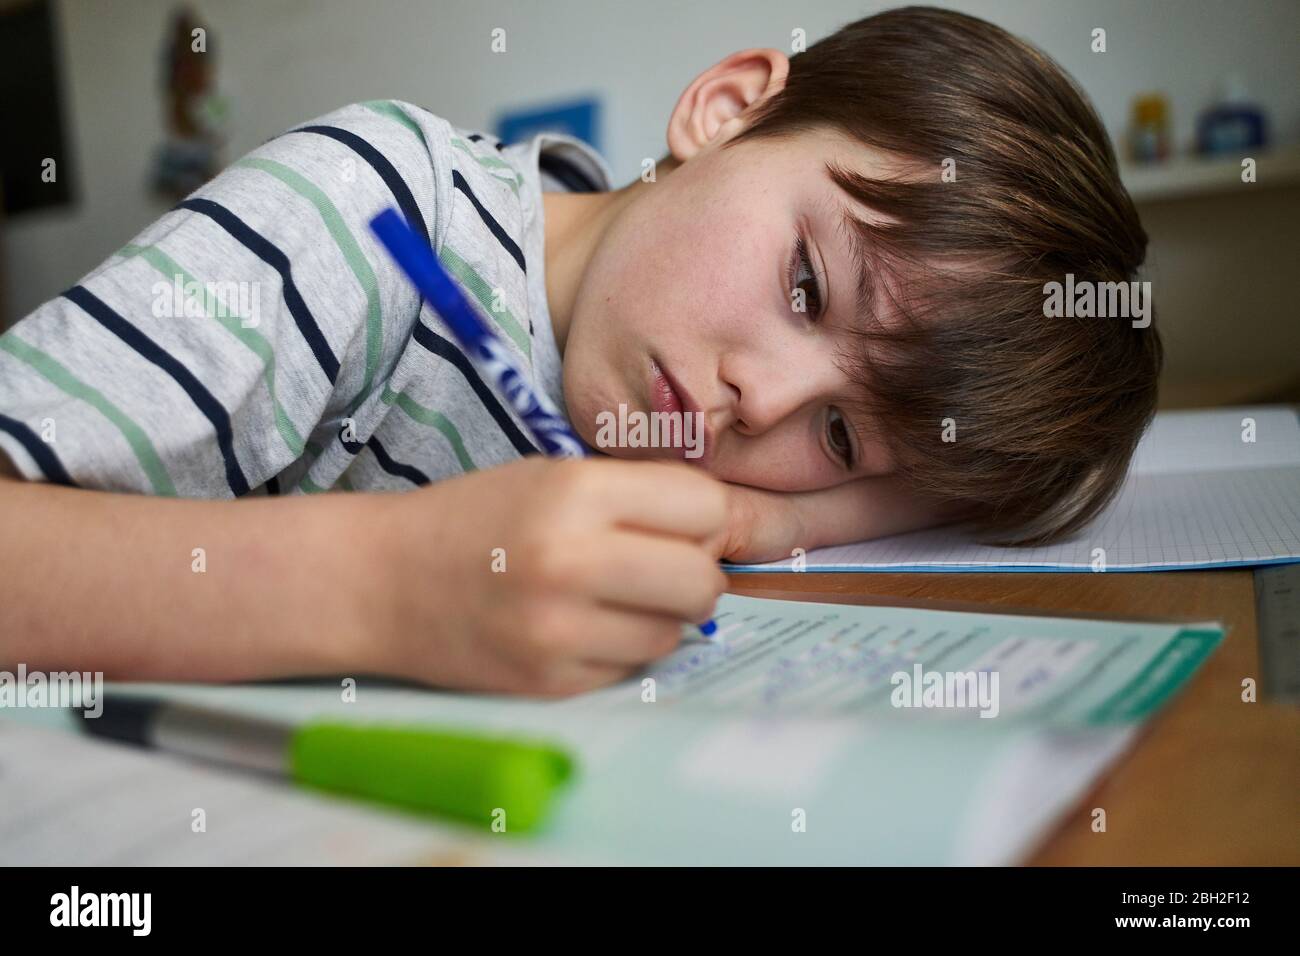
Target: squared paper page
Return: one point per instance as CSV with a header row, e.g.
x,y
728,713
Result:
x,y
1197,496
1213,440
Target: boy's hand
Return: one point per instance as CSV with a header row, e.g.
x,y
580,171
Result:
x,y
545,577
761,526
769,525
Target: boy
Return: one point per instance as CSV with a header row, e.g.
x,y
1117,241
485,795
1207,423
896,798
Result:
x,y
838,270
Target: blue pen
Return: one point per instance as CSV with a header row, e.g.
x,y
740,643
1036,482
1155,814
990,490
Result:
x,y
421,266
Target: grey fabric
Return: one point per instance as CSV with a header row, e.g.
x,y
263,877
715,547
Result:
x,y
124,393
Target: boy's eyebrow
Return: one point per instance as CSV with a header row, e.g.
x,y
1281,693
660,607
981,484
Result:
x,y
864,290
864,297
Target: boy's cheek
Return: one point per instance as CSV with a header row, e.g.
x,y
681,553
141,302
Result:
x,y
752,466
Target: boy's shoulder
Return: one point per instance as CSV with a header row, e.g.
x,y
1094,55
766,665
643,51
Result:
x,y
403,142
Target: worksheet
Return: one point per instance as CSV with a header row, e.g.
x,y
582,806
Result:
x,y
804,733
809,658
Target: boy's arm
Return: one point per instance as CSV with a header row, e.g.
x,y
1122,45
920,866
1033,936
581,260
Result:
x,y
769,525
606,560
111,582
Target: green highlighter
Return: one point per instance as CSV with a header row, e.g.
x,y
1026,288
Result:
x,y
475,778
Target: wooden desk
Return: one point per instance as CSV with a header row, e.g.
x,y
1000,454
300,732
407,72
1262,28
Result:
x,y
1212,781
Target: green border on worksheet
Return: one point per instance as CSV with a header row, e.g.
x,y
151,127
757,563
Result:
x,y
1150,689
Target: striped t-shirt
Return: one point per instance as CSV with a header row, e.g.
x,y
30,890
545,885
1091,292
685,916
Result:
x,y
258,337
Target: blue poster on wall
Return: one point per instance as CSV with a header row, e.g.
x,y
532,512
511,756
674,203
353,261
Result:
x,y
579,117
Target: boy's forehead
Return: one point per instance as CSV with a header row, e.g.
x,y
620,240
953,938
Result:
x,y
813,155
833,147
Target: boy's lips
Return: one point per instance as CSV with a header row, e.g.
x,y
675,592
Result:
x,y
668,396
663,396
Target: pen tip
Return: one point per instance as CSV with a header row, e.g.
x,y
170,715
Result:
x,y
708,628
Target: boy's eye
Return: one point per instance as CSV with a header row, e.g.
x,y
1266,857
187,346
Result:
x,y
803,279
837,436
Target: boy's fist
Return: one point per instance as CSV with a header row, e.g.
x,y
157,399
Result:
x,y
545,576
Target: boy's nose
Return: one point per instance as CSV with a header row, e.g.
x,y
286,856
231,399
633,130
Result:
x,y
769,388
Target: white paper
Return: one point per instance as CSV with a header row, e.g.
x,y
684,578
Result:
x,y
69,800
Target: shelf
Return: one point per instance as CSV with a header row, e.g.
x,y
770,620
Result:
x,y
1191,177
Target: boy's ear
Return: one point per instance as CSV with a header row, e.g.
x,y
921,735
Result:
x,y
715,107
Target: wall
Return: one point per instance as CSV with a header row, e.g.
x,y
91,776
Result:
x,y
285,61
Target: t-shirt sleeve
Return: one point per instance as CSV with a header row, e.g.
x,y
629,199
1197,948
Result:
x,y
234,335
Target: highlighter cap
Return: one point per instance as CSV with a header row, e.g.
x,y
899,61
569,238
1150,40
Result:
x,y
469,777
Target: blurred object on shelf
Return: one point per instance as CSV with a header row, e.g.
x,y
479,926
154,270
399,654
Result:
x,y
1196,177
1148,138
196,116
1233,124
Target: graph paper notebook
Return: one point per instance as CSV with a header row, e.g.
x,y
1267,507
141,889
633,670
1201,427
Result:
x,y
1207,489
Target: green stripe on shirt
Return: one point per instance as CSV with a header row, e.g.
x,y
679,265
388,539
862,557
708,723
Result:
x,y
256,342
491,163
390,110
463,271
454,262
427,416
57,375
352,254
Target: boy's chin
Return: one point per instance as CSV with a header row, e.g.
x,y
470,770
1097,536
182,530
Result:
x,y
687,455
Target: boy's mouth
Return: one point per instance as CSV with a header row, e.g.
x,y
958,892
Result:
x,y
663,396
668,396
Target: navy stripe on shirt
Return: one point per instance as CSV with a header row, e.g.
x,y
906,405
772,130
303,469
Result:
x,y
402,193
386,462
40,451
156,354
503,237
380,164
439,346
352,447
479,137
277,260
566,172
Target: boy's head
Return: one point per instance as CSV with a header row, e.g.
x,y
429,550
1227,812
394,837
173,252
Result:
x,y
912,183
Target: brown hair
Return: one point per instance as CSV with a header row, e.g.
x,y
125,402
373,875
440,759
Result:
x,y
1047,411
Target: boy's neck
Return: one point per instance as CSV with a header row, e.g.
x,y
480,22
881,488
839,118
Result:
x,y
575,223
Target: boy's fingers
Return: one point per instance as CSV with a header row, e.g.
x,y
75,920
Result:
x,y
657,496
576,677
645,572
626,638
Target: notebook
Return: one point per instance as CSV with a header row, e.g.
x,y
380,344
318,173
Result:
x,y
802,734
1207,489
